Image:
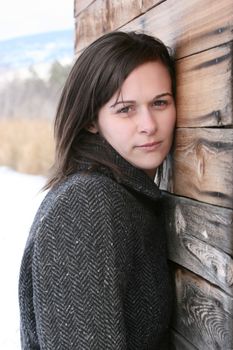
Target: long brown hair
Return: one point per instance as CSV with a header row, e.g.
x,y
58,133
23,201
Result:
x,y
96,76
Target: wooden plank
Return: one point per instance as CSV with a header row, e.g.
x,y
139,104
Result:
x,y
188,26
207,223
103,16
198,256
100,16
80,5
180,343
204,88
201,167
148,4
203,313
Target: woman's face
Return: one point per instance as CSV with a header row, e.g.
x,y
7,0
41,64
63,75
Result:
x,y
139,124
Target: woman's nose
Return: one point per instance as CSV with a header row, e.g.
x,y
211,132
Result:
x,y
147,122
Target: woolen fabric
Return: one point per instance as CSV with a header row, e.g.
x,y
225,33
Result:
x,y
94,274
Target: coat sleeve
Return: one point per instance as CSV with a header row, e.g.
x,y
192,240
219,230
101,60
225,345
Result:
x,y
77,273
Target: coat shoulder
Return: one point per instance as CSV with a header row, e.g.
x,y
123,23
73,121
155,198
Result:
x,y
81,186
78,198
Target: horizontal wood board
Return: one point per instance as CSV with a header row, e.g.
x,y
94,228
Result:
x,y
103,16
143,5
208,223
191,243
203,313
187,26
204,88
201,166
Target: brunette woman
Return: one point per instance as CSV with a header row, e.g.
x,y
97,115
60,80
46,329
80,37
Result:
x,y
94,274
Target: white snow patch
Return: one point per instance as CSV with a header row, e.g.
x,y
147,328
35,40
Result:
x,y
20,197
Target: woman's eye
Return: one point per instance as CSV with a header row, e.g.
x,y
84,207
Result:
x,y
160,103
125,109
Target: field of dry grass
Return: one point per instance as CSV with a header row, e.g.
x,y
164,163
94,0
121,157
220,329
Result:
x,y
26,145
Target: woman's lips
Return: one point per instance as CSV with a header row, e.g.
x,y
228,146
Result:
x,y
150,146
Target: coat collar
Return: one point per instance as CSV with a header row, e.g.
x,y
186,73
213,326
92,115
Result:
x,y
129,176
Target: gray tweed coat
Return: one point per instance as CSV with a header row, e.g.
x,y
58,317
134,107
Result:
x,y
94,273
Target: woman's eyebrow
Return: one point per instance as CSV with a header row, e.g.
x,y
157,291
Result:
x,y
120,102
163,94
132,101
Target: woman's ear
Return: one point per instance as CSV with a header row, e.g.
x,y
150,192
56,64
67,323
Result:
x,y
92,127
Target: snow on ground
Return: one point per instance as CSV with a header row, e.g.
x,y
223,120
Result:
x,y
20,197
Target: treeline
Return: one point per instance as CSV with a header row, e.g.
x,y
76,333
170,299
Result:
x,y
33,97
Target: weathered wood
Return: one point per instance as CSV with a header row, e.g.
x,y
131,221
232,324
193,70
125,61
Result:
x,y
204,88
204,313
200,257
80,5
100,16
202,166
207,223
180,343
103,16
147,4
188,26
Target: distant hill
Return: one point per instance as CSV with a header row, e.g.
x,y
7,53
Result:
x,y
33,70
37,51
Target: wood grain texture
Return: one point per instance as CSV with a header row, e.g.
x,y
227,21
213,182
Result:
x,y
202,166
200,257
80,5
148,4
204,313
103,16
208,223
204,88
187,26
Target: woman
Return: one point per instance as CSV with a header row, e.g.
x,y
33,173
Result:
x,y
94,273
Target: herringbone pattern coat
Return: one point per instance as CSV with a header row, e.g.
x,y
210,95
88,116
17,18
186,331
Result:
x,y
94,272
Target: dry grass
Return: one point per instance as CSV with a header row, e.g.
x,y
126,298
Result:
x,y
26,145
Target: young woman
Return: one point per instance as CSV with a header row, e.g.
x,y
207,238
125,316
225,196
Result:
x,y
94,273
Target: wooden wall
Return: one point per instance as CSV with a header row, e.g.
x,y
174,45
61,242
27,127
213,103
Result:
x,y
198,181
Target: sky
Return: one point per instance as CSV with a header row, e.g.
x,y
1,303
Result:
x,y
25,17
